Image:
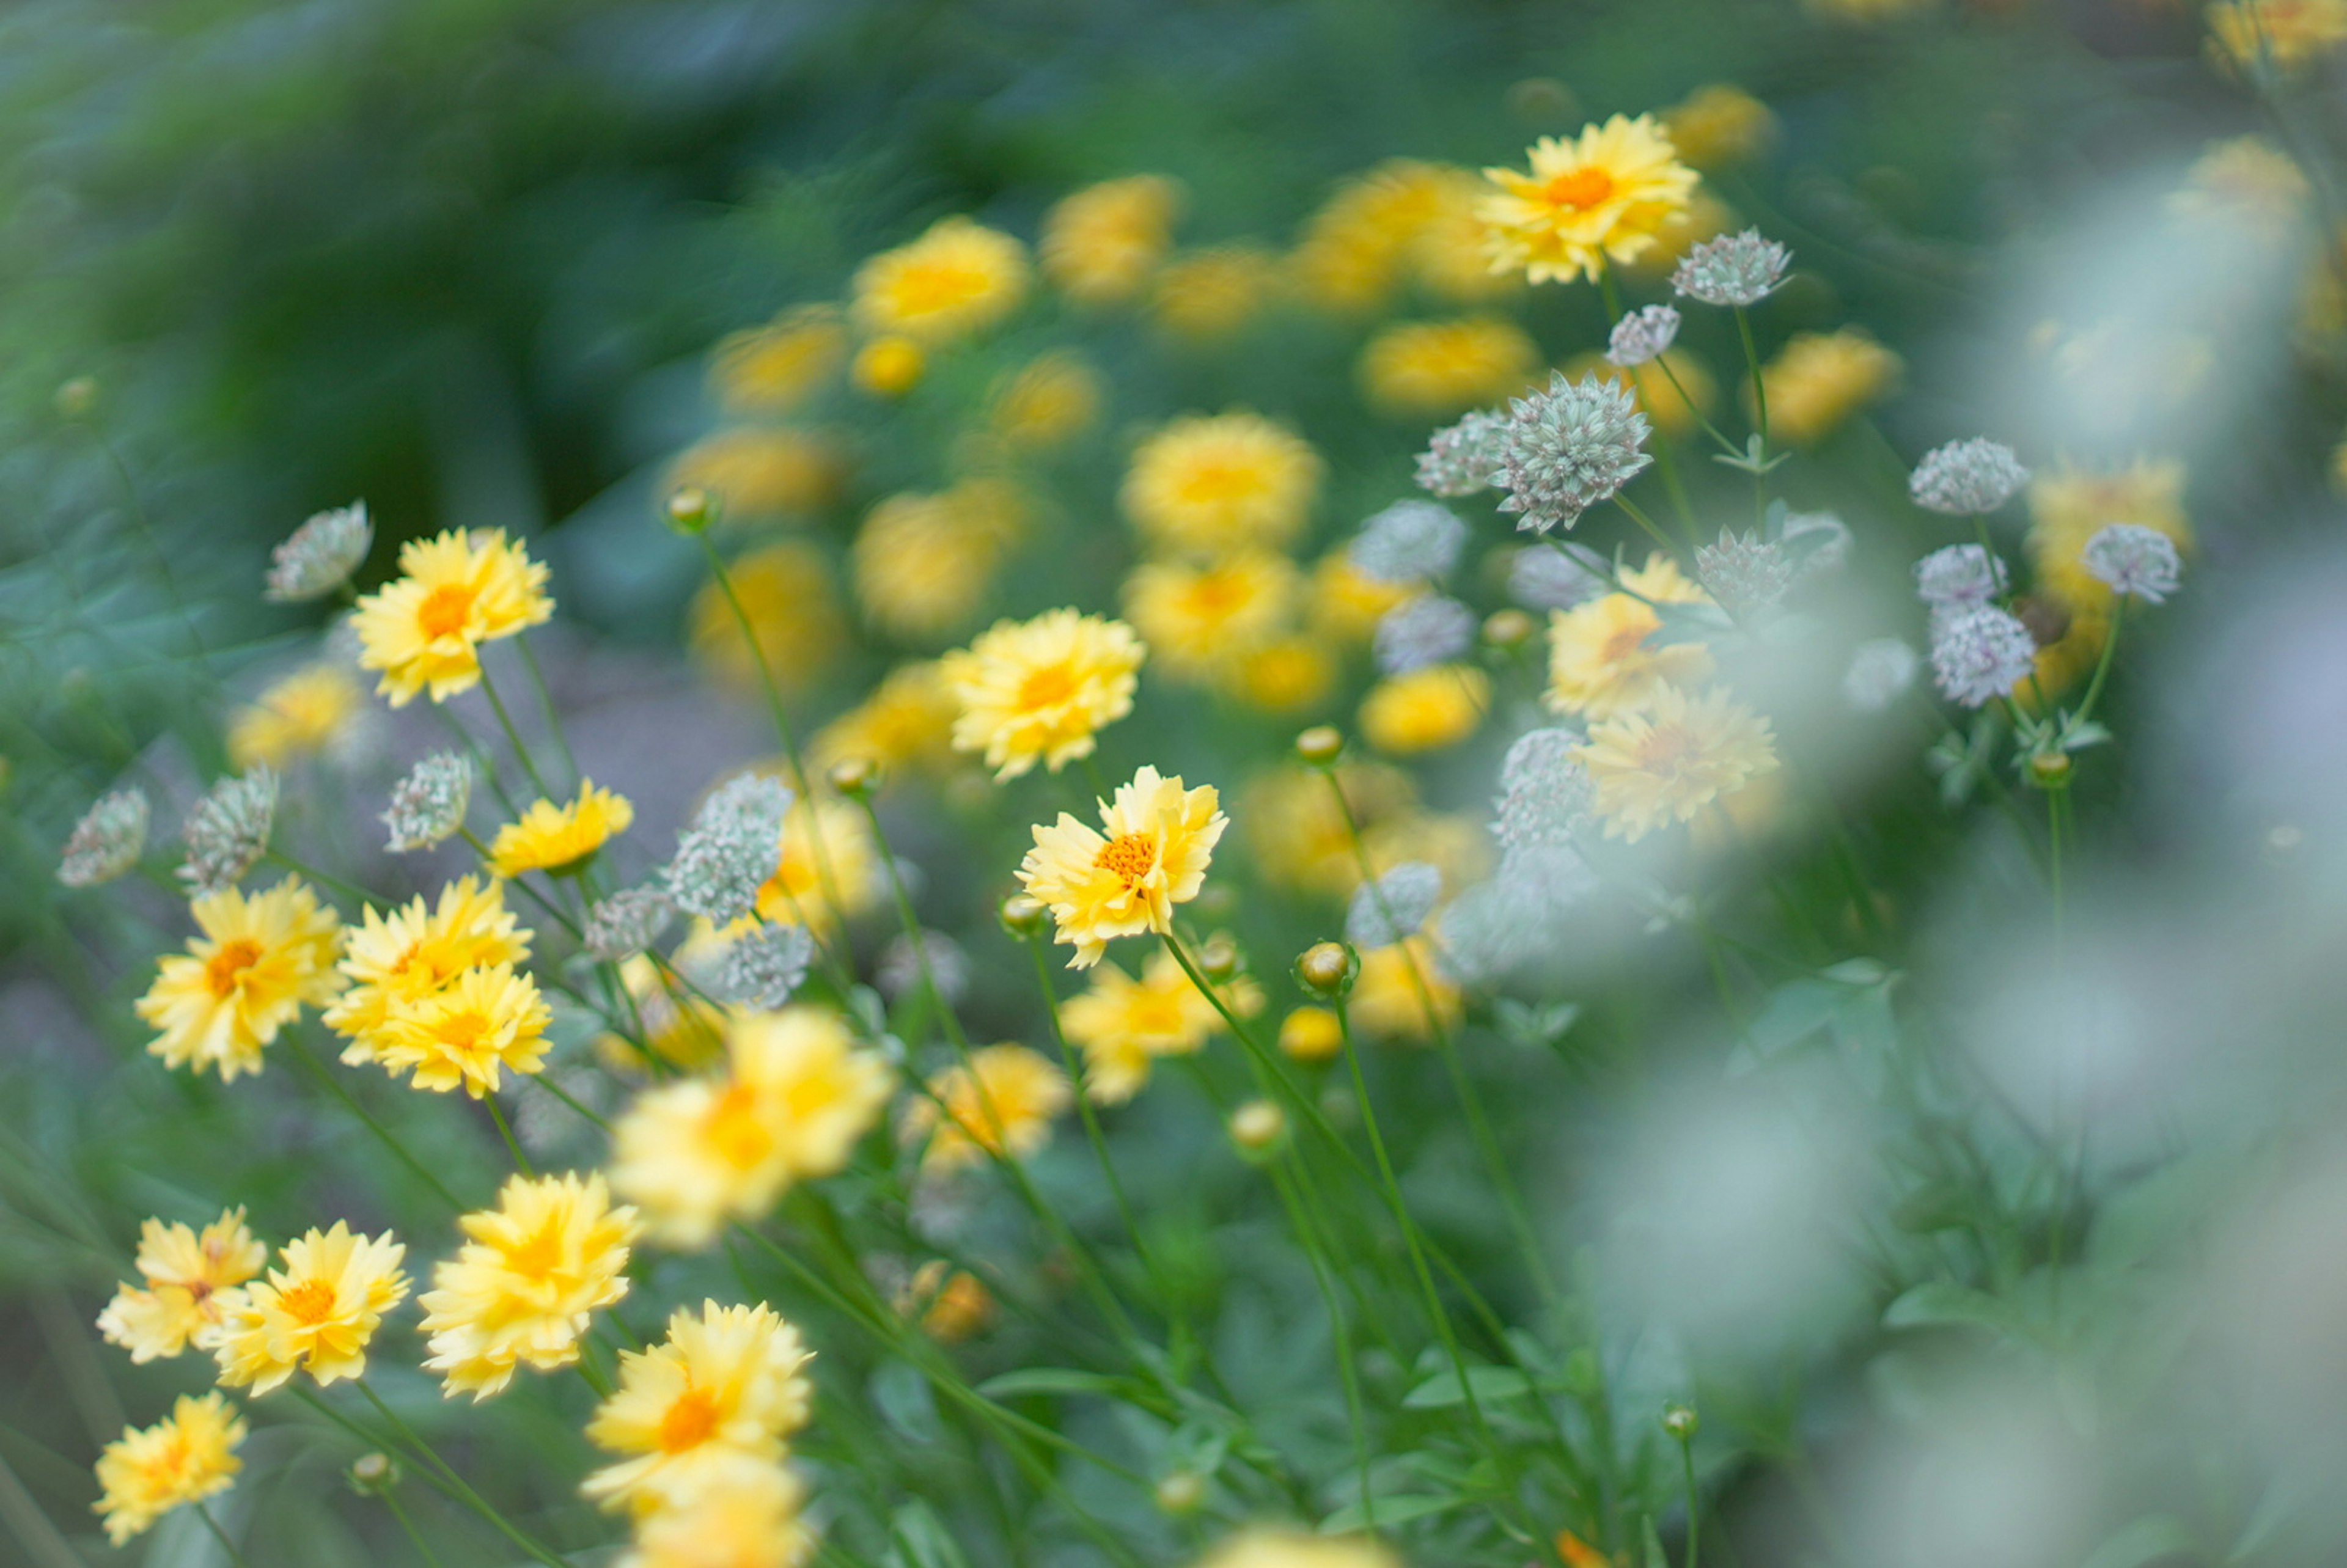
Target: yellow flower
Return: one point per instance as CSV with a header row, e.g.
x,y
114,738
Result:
x,y
950,1305
1600,661
888,366
1001,1104
1298,838
1705,217
2244,181
467,1034
1158,838
796,1097
727,1384
1273,1547
2287,33
1454,842
958,279
1676,410
800,893
759,472
454,592
1345,604
1207,484
775,368
1122,1024
1719,124
1198,620
786,591
2070,504
905,724
310,710
1049,403
315,1313
414,951
1437,369
185,1273
1672,759
523,1286
743,1513
1357,246
1425,709
1208,295
1817,380
261,957
1310,1034
1101,245
1386,1002
556,838
1448,252
1602,194
188,1456
924,563
1041,689
679,1027
1288,675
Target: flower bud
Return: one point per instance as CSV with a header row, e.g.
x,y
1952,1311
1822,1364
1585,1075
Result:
x,y
372,1475
1181,1492
1023,916
1327,969
690,509
1508,629
1218,957
1320,746
855,777
1310,1034
1259,1128
1679,1421
2050,770
888,366
77,398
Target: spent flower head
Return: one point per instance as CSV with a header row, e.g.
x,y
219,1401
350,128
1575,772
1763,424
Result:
x,y
1409,542
1544,792
1733,270
108,840
1431,629
1959,577
1394,906
1964,478
627,923
1879,673
1643,334
319,557
1565,449
732,849
1464,458
2134,560
1980,654
428,805
228,832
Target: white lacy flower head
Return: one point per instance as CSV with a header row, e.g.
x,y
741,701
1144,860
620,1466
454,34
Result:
x,y
428,805
731,850
1733,270
1464,458
627,923
1542,577
1431,629
1513,920
108,840
1544,792
1565,449
1642,335
1964,478
1879,673
1960,577
228,832
759,969
1744,572
319,557
1393,907
899,973
1409,542
1978,655
2139,562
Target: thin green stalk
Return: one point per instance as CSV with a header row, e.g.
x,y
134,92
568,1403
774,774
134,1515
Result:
x,y
414,1536
2103,664
1759,381
350,890
1654,529
513,1144
546,706
1694,1499
464,1492
513,735
1714,431
205,1513
1340,1337
335,1086
546,1083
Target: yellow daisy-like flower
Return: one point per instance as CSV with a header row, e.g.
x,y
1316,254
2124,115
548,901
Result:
x,y
1436,369
1819,380
186,1457
1344,604
260,959
2245,181
483,1024
759,473
1355,249
1041,689
1385,1003
795,1099
797,893
905,724
1153,856
1207,485
1669,761
315,1312
1201,620
1273,1547
958,279
1208,295
1719,124
775,368
1101,245
1297,838
950,1304
787,592
1122,1024
558,839
743,1514
313,710
425,630
1448,254
414,951
1288,676
888,366
1001,1104
924,563
1601,194
2070,504
2287,33
185,1271
1425,709
679,1027
1047,402
1600,663
727,1383
520,1290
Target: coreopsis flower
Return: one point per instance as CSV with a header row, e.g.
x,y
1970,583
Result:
x,y
1041,689
1207,296
2245,181
1394,906
1980,654
1103,245
416,951
1123,1025
2134,562
1047,402
2285,33
428,805
1385,1003
1426,710
728,1383
2070,506
731,850
787,592
557,839
1544,793
763,471
188,1456
1298,838
315,1313
1817,380
424,630
1431,629
1641,335
1540,577
1343,604
1197,620
1733,270
679,1027
950,1304
796,1097
958,279
184,1273
777,367
818,890
889,366
1290,674
1357,249
520,1290
1564,450
262,958
742,1513
1745,574
626,923
1152,854
1879,673
1603,661
312,709
1719,124
319,557
108,839
1603,194
758,967
1001,1104
923,563
487,1022
1668,761
1208,485
1443,368
905,724
227,831
1967,477
1408,542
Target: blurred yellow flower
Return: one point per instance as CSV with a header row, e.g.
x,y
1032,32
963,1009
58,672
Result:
x,y
957,279
1103,244
315,1312
1386,1002
521,1289
2065,662
1705,217
425,630
1122,1024
905,724
924,563
679,1027
184,1272
312,709
2069,505
1152,853
556,840
1298,838
777,367
1208,295
762,472
796,893
1449,254
260,959
2244,180
1454,842
1675,410
469,1034
1359,246
1344,603
1202,620
889,366
1425,709
188,1456
2287,34
1001,1104
1047,402
1041,689
1268,1546
1670,760
786,591
1600,661
741,1514
415,951
1310,1034
951,1303
1817,380
1600,195
728,1383
1442,368
1289,675
1719,124
1207,484
1868,10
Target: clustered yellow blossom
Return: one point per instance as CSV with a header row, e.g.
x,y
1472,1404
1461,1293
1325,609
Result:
x,y
777,367
1047,402
177,1306
521,1289
1200,620
1672,758
313,710
314,1313
905,725
397,961
761,472
1041,689
262,958
1817,380
1600,196
1150,854
425,630
830,870
1438,369
558,839
1719,124
1122,1024
1398,986
1208,295
1001,1104
1429,708
1404,222
188,1456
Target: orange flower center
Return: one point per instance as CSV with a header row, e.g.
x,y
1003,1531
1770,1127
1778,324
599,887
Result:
x,y
309,1303
1217,594
462,1034
540,1254
224,970
1130,857
1047,687
1627,640
1216,480
1668,750
737,1134
691,1421
444,610
1580,190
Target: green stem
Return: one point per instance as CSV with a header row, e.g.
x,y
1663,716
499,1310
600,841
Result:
x,y
414,1536
2103,664
350,890
1654,529
1339,1334
547,1083
513,735
234,1556
1694,1500
1760,383
463,1493
325,1077
546,706
513,1144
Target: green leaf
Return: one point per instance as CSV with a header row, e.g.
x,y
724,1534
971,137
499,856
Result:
x,y
1052,1380
920,1539
1941,1305
1387,1510
1488,1383
1654,1544
2147,1540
